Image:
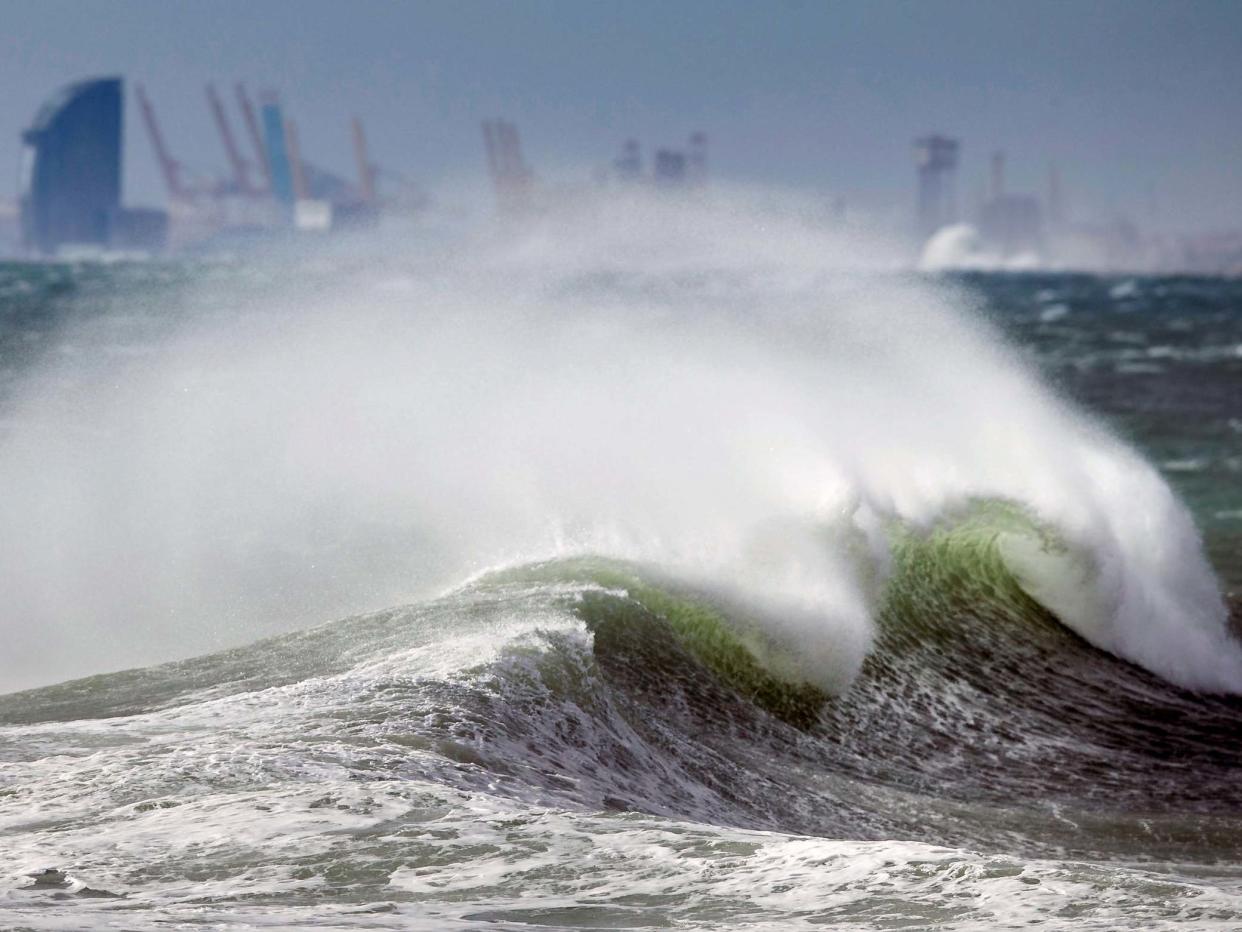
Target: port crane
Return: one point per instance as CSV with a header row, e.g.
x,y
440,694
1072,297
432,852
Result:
x,y
241,173
169,167
256,139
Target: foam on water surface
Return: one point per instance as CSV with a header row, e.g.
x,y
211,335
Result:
x,y
712,574
658,381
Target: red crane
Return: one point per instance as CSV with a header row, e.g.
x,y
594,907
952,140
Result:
x,y
241,176
252,130
169,166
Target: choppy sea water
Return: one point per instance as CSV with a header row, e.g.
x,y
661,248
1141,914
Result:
x,y
598,590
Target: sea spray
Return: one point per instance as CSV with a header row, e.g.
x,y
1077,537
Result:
x,y
799,485
653,380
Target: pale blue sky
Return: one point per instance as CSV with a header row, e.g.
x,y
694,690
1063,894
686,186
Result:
x,y
1130,97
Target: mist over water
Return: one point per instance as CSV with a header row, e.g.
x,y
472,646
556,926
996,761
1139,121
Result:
x,y
650,562
728,389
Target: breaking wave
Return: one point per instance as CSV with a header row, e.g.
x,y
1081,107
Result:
x,y
676,551
724,390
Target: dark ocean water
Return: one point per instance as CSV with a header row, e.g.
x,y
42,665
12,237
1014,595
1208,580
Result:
x,y
1158,359
967,726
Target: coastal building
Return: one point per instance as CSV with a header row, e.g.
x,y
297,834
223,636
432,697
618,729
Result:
x,y
72,167
936,159
71,176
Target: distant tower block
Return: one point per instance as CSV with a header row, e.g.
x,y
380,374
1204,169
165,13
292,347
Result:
x,y
73,182
629,164
936,157
998,175
1054,208
277,146
512,178
696,160
366,171
670,168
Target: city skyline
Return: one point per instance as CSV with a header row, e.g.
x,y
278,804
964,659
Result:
x,y
1132,101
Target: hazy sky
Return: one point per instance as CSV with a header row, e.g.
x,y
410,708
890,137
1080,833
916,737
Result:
x,y
1139,102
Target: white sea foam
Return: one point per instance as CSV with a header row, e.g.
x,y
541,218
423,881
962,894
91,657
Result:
x,y
486,861
959,247
660,380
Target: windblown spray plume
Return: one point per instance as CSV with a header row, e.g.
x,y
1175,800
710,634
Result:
x,y
692,512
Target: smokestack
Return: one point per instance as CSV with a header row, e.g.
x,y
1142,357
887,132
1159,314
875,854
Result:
x,y
512,179
294,150
1055,209
998,175
366,171
629,166
697,162
936,157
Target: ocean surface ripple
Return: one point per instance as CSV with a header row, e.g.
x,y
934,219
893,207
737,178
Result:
x,y
697,568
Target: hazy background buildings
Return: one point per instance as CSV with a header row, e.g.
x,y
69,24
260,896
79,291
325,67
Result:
x,y
1118,118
